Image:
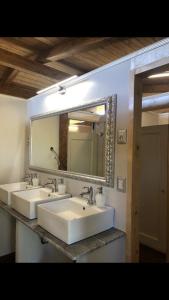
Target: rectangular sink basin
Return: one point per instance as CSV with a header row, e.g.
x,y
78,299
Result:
x,y
72,219
7,189
25,202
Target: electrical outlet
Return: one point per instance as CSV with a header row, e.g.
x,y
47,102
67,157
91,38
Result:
x,y
121,184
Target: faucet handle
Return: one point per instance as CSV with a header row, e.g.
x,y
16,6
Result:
x,y
89,188
52,179
86,187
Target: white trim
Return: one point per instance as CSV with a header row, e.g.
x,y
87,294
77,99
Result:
x,y
111,64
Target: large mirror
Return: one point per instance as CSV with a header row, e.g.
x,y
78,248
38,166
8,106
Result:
x,y
77,143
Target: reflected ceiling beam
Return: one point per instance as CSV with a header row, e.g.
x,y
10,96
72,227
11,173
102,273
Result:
x,y
156,88
20,63
18,90
73,46
155,102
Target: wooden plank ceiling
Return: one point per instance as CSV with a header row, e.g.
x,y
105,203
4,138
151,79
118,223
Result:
x,y
28,64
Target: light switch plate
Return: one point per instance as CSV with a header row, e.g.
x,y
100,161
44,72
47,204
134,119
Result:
x,y
122,136
121,184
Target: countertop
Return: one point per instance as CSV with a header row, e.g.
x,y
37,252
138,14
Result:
x,y
75,250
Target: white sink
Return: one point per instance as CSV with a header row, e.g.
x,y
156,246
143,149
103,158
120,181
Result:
x,y
72,219
7,189
25,202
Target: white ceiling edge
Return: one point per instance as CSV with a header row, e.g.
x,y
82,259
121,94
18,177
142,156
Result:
x,y
107,66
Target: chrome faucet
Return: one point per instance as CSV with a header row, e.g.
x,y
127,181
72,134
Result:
x,y
88,192
29,177
53,181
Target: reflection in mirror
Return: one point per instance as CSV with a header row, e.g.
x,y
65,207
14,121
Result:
x,y
73,141
86,141
44,136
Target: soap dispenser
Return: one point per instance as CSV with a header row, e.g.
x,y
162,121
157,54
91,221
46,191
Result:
x,y
100,199
61,186
35,180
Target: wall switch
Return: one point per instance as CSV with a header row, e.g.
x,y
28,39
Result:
x,y
121,184
122,136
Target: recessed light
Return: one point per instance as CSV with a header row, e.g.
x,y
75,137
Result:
x,y
164,74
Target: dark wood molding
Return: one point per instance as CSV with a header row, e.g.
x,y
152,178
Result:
x,y
63,136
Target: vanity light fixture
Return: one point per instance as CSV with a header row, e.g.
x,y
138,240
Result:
x,y
58,86
164,74
61,90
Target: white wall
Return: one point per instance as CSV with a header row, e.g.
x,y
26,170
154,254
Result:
x,y
114,80
12,138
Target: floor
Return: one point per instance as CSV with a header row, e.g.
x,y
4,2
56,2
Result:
x,y
10,258
148,255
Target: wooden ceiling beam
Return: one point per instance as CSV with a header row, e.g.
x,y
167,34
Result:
x,y
12,45
23,64
73,46
44,40
7,73
64,68
18,90
13,73
28,42
10,74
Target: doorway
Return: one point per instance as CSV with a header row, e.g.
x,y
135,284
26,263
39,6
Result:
x,y
148,207
153,193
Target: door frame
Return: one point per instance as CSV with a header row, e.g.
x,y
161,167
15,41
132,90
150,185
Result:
x,y
133,173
